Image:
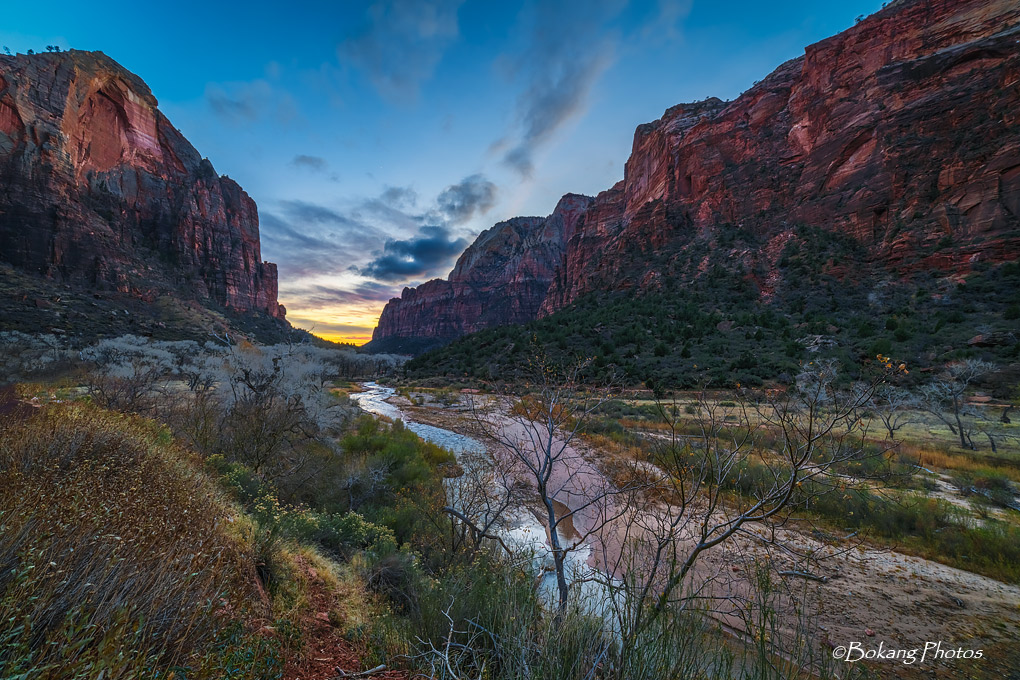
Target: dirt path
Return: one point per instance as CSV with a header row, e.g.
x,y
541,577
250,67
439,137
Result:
x,y
324,650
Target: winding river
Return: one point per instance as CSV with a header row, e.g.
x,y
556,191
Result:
x,y
524,532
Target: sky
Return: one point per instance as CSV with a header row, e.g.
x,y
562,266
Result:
x,y
379,138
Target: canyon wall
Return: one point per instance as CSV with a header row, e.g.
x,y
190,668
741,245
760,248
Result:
x,y
503,277
99,190
902,132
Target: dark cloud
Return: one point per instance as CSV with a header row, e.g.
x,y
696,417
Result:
x,y
567,48
314,213
402,43
459,202
240,103
314,163
424,255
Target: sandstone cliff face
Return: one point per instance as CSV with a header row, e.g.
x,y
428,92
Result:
x,y
98,189
501,278
903,131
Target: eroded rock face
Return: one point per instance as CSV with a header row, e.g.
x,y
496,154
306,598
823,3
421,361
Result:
x,y
98,189
903,132
501,278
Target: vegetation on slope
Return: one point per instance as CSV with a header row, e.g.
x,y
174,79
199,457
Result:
x,y
706,319
118,556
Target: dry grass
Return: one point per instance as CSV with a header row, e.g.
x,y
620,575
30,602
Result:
x,y
944,458
114,548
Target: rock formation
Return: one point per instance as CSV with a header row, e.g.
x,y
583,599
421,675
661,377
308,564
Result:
x,y
99,190
501,278
902,131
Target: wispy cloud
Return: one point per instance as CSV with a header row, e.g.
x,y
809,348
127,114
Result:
x,y
666,25
314,296
402,44
245,102
309,240
314,163
567,47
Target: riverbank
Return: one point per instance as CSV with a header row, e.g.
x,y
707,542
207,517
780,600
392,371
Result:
x,y
859,593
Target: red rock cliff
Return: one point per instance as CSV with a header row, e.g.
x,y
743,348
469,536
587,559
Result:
x,y
97,188
501,278
901,131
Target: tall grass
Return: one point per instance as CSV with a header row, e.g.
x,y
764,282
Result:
x,y
932,527
486,619
115,555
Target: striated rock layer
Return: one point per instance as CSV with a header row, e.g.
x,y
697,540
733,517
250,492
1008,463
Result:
x,y
98,189
903,132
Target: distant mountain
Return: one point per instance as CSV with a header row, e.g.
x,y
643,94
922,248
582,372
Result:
x,y
110,220
897,140
503,277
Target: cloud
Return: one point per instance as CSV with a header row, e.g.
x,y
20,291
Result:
x,y
246,102
402,44
399,197
423,255
567,48
389,238
666,26
307,239
459,202
314,213
313,163
315,297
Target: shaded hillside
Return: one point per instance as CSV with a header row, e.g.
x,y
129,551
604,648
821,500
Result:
x,y
713,328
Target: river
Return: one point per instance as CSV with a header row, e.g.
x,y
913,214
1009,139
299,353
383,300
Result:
x,y
523,532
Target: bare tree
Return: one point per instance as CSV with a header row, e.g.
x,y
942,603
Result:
x,y
723,470
895,407
127,373
535,429
480,500
945,397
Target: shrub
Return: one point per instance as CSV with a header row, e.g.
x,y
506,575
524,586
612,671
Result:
x,y
112,551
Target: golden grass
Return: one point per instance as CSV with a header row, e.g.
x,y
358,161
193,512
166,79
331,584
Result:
x,y
113,546
947,460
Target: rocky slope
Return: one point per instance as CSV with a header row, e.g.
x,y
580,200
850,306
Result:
x,y
99,191
902,132
501,278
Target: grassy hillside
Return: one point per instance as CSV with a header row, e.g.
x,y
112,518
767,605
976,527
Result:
x,y
120,556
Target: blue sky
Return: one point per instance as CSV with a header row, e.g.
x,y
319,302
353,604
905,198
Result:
x,y
378,138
